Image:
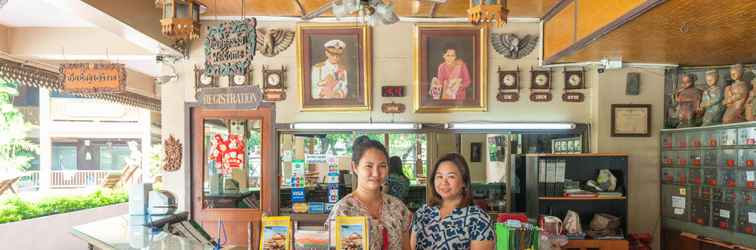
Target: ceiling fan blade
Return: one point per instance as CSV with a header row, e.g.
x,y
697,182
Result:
x,y
319,11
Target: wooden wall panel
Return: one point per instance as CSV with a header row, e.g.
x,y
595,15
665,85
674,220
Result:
x,y
690,33
559,31
593,15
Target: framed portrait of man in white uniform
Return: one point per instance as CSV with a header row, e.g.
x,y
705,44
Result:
x,y
334,67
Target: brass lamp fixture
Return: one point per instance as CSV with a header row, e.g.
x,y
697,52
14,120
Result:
x,y
487,12
180,18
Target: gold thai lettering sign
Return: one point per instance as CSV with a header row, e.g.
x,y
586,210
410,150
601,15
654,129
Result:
x,y
248,97
93,78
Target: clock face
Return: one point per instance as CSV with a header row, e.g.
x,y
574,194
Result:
x,y
509,80
205,79
575,80
274,79
239,79
541,80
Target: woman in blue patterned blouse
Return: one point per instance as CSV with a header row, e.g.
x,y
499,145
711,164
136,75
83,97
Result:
x,y
450,220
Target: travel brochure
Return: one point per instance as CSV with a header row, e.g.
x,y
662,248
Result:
x,y
276,233
351,233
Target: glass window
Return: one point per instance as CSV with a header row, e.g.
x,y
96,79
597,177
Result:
x,y
113,157
314,168
318,166
233,165
64,158
182,10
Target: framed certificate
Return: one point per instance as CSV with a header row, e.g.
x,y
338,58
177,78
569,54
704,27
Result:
x,y
631,120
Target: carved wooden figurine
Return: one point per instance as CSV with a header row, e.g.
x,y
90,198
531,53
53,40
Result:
x,y
711,102
735,96
750,107
688,100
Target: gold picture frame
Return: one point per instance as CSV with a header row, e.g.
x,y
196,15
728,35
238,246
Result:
x,y
351,90
470,45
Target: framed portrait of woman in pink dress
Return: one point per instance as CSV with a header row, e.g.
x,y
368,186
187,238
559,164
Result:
x,y
449,68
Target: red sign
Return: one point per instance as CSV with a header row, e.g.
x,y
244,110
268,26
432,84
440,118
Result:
x,y
229,153
392,91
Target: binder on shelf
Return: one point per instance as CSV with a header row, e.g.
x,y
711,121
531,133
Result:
x,y
541,178
550,177
560,169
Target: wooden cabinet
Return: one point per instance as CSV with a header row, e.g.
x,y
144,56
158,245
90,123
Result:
x,y
597,245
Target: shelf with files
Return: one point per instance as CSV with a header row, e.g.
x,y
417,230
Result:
x,y
544,192
708,177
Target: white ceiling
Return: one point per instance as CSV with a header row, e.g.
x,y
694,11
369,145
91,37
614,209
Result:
x,y
38,13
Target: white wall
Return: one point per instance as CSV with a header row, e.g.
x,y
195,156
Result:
x,y
392,65
643,152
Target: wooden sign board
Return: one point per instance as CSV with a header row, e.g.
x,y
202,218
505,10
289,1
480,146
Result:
x,y
573,97
392,108
247,97
392,91
274,95
540,97
230,47
508,96
93,78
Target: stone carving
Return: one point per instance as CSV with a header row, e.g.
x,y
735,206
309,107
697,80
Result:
x,y
688,100
273,41
711,102
735,96
513,47
173,152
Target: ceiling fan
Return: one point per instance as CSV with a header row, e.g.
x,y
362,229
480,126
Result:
x,y
376,8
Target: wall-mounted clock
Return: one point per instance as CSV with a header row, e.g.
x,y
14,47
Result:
x,y
509,80
540,79
239,80
274,83
203,80
574,79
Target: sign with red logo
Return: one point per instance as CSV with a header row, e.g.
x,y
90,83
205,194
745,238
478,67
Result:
x,y
227,153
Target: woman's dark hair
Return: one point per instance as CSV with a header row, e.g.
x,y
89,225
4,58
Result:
x,y
464,170
395,165
362,144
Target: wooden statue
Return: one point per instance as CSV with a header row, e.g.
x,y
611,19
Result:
x,y
688,100
711,102
735,96
750,107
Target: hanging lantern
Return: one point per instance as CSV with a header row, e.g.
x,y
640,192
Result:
x,y
180,18
487,12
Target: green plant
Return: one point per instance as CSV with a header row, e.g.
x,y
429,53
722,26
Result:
x,y
16,153
16,209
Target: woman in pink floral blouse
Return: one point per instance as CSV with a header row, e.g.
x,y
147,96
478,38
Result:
x,y
389,219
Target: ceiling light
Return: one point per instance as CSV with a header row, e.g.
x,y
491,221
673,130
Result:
x,y
510,126
355,126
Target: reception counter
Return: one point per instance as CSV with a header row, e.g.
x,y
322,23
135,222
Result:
x,y
125,232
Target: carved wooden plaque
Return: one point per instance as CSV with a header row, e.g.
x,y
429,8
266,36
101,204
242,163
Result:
x,y
173,152
540,97
573,97
508,96
392,108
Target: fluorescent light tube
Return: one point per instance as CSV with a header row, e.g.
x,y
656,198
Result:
x,y
512,126
355,126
